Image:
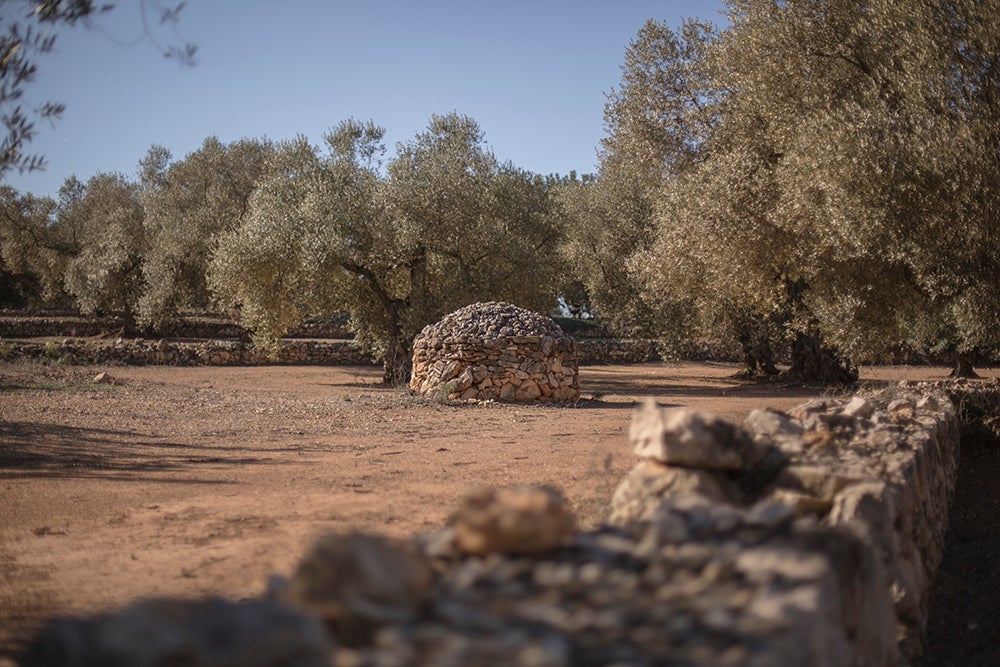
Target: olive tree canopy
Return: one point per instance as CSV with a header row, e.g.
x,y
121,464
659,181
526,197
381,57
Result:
x,y
442,225
188,205
845,182
105,274
33,250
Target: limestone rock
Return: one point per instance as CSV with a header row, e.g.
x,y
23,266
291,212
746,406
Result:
x,y
357,582
816,480
527,392
513,520
647,485
858,407
901,410
802,503
206,633
691,438
770,426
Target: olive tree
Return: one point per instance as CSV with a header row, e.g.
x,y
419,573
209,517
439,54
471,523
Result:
x,y
605,222
882,125
846,186
656,121
105,275
188,205
33,251
666,105
444,224
662,123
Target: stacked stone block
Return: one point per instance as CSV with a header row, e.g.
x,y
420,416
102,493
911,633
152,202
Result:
x,y
496,351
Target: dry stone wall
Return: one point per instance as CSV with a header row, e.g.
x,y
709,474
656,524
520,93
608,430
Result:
x,y
178,353
40,324
495,351
806,538
16,326
882,466
223,351
616,351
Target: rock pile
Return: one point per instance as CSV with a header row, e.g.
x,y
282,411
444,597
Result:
x,y
699,583
495,351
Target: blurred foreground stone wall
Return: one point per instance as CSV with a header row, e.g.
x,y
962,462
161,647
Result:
x,y
802,538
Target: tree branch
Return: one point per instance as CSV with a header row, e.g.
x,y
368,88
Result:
x,y
371,279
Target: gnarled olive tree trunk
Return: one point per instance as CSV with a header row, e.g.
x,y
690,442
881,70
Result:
x,y
758,357
397,364
815,363
964,365
753,332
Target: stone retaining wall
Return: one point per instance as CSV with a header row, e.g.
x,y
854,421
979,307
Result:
x,y
882,467
19,324
616,351
176,353
808,538
324,352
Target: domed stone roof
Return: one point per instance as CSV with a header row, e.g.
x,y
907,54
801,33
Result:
x,y
490,321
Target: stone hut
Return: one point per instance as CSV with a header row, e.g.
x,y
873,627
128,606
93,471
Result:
x,y
496,351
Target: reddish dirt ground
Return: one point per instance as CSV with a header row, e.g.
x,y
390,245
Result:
x,y
199,481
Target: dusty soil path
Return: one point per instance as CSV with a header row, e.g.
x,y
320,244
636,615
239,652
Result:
x,y
198,481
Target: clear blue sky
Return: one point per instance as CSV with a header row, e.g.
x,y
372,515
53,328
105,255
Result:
x,y
534,74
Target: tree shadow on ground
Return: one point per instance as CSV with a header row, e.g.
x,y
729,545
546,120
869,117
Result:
x,y
33,449
705,388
